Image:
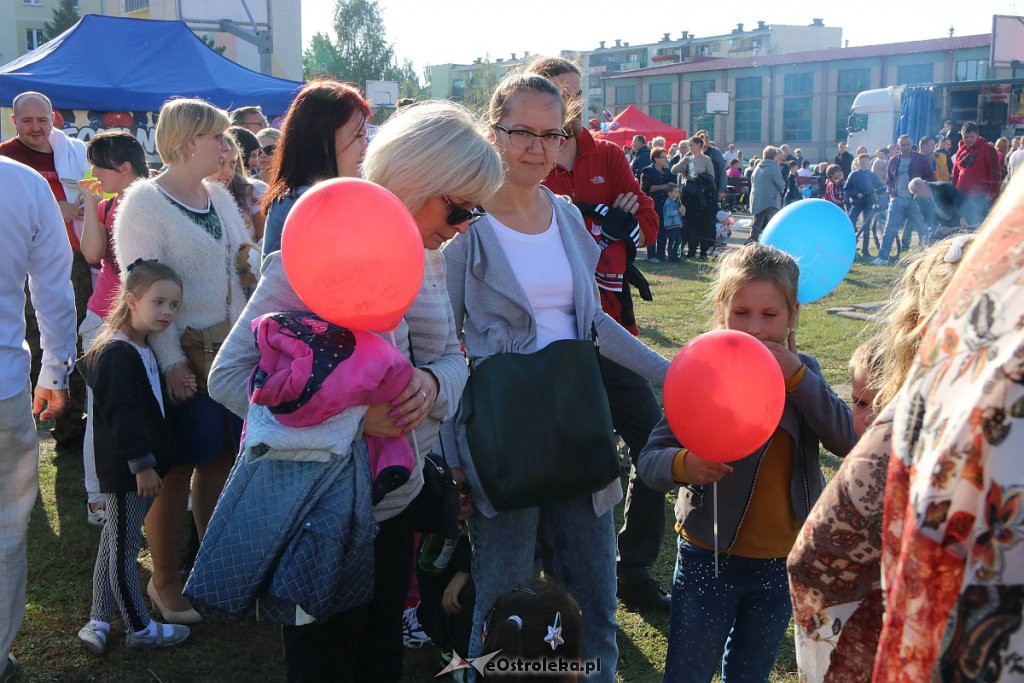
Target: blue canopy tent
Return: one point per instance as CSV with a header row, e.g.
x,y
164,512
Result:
x,y
121,64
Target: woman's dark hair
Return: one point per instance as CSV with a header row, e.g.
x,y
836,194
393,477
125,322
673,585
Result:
x,y
110,150
305,153
246,142
520,624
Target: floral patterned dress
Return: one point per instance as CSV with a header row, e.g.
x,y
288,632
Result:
x,y
945,557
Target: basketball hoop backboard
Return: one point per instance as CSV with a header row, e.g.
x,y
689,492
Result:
x,y
238,11
717,102
1007,42
382,93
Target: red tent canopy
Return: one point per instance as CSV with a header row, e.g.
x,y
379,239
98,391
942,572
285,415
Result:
x,y
632,122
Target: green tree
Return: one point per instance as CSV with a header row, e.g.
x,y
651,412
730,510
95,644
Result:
x,y
364,53
210,43
320,58
409,84
64,17
360,52
480,84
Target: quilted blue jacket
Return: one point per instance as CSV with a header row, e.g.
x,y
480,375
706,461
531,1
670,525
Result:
x,y
297,536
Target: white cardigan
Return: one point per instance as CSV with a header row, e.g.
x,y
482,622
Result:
x,y
149,226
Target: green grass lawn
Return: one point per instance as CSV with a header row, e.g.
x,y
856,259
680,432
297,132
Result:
x,y
62,546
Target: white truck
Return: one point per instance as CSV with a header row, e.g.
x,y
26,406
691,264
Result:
x,y
996,105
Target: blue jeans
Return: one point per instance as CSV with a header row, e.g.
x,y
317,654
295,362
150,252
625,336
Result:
x,y
583,560
901,210
864,212
745,612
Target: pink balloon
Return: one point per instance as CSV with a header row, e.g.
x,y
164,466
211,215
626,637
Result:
x,y
724,394
353,254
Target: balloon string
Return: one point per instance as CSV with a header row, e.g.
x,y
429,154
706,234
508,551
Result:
x,y
714,501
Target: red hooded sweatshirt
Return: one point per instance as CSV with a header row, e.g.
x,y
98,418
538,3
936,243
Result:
x,y
976,169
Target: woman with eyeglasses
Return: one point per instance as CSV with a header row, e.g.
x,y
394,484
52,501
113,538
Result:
x,y
323,137
191,224
523,278
439,162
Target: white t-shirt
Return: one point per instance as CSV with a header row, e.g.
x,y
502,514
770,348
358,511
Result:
x,y
152,369
805,173
542,268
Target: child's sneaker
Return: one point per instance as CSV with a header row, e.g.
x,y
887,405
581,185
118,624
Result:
x,y
157,635
94,638
413,634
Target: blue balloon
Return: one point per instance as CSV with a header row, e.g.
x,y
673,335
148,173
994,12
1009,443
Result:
x,y
820,238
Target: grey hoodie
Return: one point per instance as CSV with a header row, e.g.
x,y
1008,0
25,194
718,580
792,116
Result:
x,y
767,187
813,413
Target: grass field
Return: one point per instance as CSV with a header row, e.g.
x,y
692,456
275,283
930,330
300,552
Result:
x,y
62,546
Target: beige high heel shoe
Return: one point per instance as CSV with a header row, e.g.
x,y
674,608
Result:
x,y
188,616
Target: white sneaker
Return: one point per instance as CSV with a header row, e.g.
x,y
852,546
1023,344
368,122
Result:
x,y
97,517
879,262
413,634
94,639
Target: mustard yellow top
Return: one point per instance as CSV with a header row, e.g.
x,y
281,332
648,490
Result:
x,y
769,527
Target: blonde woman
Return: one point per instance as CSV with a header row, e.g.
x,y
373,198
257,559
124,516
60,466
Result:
x,y
192,225
437,160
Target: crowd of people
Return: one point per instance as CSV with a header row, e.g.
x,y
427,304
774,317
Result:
x,y
440,517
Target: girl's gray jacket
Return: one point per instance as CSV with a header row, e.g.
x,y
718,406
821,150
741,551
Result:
x,y
493,315
767,187
813,413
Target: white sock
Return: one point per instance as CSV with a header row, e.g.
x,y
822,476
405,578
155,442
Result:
x,y
149,630
100,625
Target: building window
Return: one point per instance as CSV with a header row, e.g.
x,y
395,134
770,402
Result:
x,y
798,84
748,121
33,38
796,119
700,89
843,105
972,70
701,120
854,80
748,87
660,92
914,73
662,112
625,94
34,3
131,6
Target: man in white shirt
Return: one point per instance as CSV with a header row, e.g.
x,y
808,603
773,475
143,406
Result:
x,y
35,247
730,153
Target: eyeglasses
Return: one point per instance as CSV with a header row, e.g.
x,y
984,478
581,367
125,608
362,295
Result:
x,y
268,150
523,139
457,215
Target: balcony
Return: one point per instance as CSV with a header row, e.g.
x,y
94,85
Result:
x,y
135,6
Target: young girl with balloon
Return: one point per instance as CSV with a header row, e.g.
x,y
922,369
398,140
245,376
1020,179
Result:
x,y
729,402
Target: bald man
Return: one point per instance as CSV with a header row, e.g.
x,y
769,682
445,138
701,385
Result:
x,y
61,161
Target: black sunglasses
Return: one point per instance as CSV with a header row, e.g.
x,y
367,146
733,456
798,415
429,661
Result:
x,y
458,215
269,149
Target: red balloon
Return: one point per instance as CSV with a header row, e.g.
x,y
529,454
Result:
x,y
353,254
724,394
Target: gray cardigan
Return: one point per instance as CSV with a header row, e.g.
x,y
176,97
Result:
x,y
493,315
813,413
237,358
767,187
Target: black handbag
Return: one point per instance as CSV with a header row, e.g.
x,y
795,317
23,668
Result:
x,y
539,427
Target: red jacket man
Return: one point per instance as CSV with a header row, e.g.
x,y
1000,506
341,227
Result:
x,y
976,169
